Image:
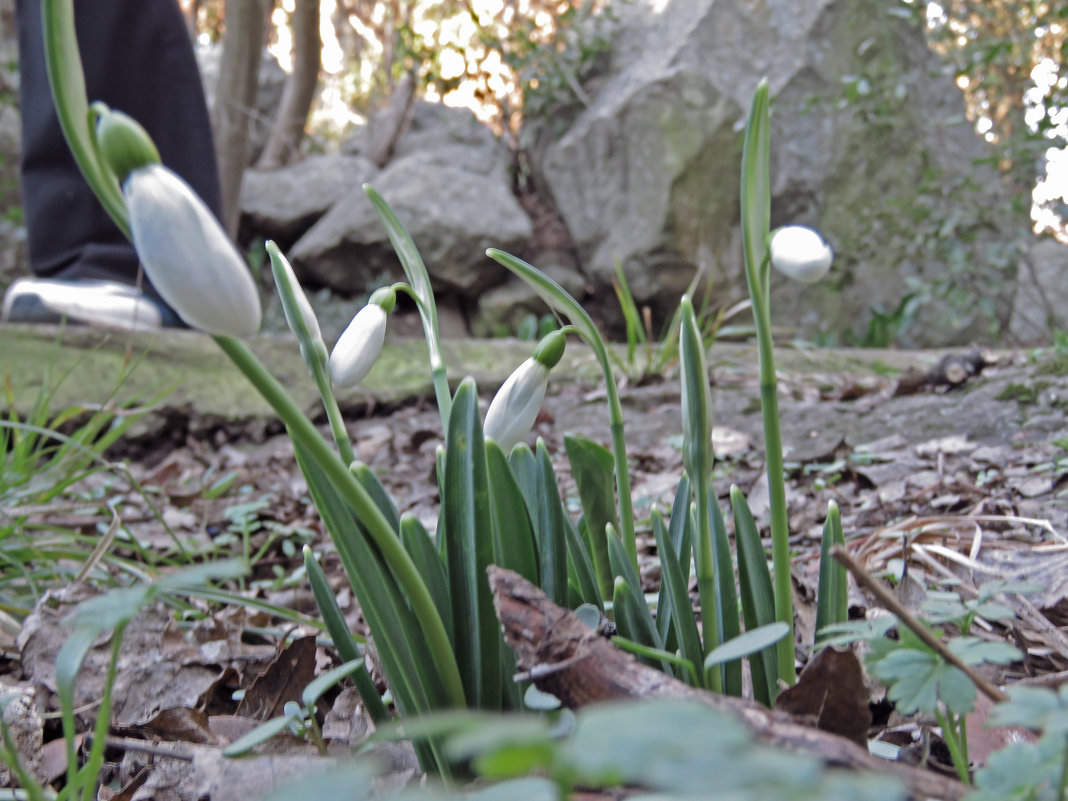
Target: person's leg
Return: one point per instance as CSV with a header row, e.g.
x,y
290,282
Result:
x,y
137,58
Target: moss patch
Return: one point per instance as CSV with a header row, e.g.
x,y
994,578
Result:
x,y
1055,365
1026,394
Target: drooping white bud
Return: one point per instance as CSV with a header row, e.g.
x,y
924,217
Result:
x,y
359,345
515,407
799,252
188,257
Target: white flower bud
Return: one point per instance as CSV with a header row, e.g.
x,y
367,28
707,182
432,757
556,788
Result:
x,y
800,253
188,257
358,346
515,407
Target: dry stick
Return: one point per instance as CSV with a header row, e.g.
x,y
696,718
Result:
x,y
892,604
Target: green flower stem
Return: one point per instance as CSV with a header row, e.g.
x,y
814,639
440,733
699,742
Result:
x,y
780,527
438,374
558,298
301,429
67,81
951,734
333,412
756,221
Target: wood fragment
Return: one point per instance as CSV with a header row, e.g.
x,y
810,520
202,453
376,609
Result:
x,y
571,661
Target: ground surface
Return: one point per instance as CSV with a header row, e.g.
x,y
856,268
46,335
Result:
x,y
966,478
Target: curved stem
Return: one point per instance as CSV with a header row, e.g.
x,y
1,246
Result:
x,y
371,518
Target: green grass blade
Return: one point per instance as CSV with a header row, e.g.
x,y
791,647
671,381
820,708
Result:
x,y
469,522
342,637
632,317
592,469
832,597
758,603
635,624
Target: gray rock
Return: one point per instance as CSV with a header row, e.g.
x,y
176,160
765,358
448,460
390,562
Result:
x,y
452,214
1041,304
452,136
649,173
282,204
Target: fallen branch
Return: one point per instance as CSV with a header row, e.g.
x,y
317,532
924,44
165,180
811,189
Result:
x,y
568,659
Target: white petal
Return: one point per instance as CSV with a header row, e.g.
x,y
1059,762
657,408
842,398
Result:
x,y
515,407
188,257
800,253
358,346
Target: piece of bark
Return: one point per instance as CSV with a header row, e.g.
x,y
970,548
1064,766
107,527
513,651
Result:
x,y
566,658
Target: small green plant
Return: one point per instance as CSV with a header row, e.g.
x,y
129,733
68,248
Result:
x,y
425,597
921,678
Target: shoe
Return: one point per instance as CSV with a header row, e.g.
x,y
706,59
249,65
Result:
x,y
106,304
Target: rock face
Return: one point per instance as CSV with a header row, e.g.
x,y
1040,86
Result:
x,y
649,173
1041,306
282,204
448,184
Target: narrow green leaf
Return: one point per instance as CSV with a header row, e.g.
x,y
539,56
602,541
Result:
x,y
405,656
428,561
369,481
551,530
758,603
727,593
515,543
674,602
832,595
634,622
320,684
745,644
258,736
680,537
632,615
685,667
469,522
580,570
592,469
340,634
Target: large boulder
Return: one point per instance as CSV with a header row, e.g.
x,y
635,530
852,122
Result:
x,y
282,204
453,215
866,135
1041,306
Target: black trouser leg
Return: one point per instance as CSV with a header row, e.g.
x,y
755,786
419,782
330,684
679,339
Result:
x,y
137,58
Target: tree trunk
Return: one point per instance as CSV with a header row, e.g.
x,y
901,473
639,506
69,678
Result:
x,y
566,658
283,147
235,97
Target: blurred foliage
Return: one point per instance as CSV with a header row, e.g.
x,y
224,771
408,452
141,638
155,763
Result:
x,y
1009,61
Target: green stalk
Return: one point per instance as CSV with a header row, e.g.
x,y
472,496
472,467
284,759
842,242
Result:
x,y
756,221
67,81
301,429
558,298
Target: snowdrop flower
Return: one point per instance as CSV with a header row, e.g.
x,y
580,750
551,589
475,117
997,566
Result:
x,y
298,311
185,253
359,345
800,253
515,407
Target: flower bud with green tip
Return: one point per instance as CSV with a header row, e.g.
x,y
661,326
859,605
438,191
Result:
x,y
185,253
299,314
515,407
359,345
799,252
123,142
